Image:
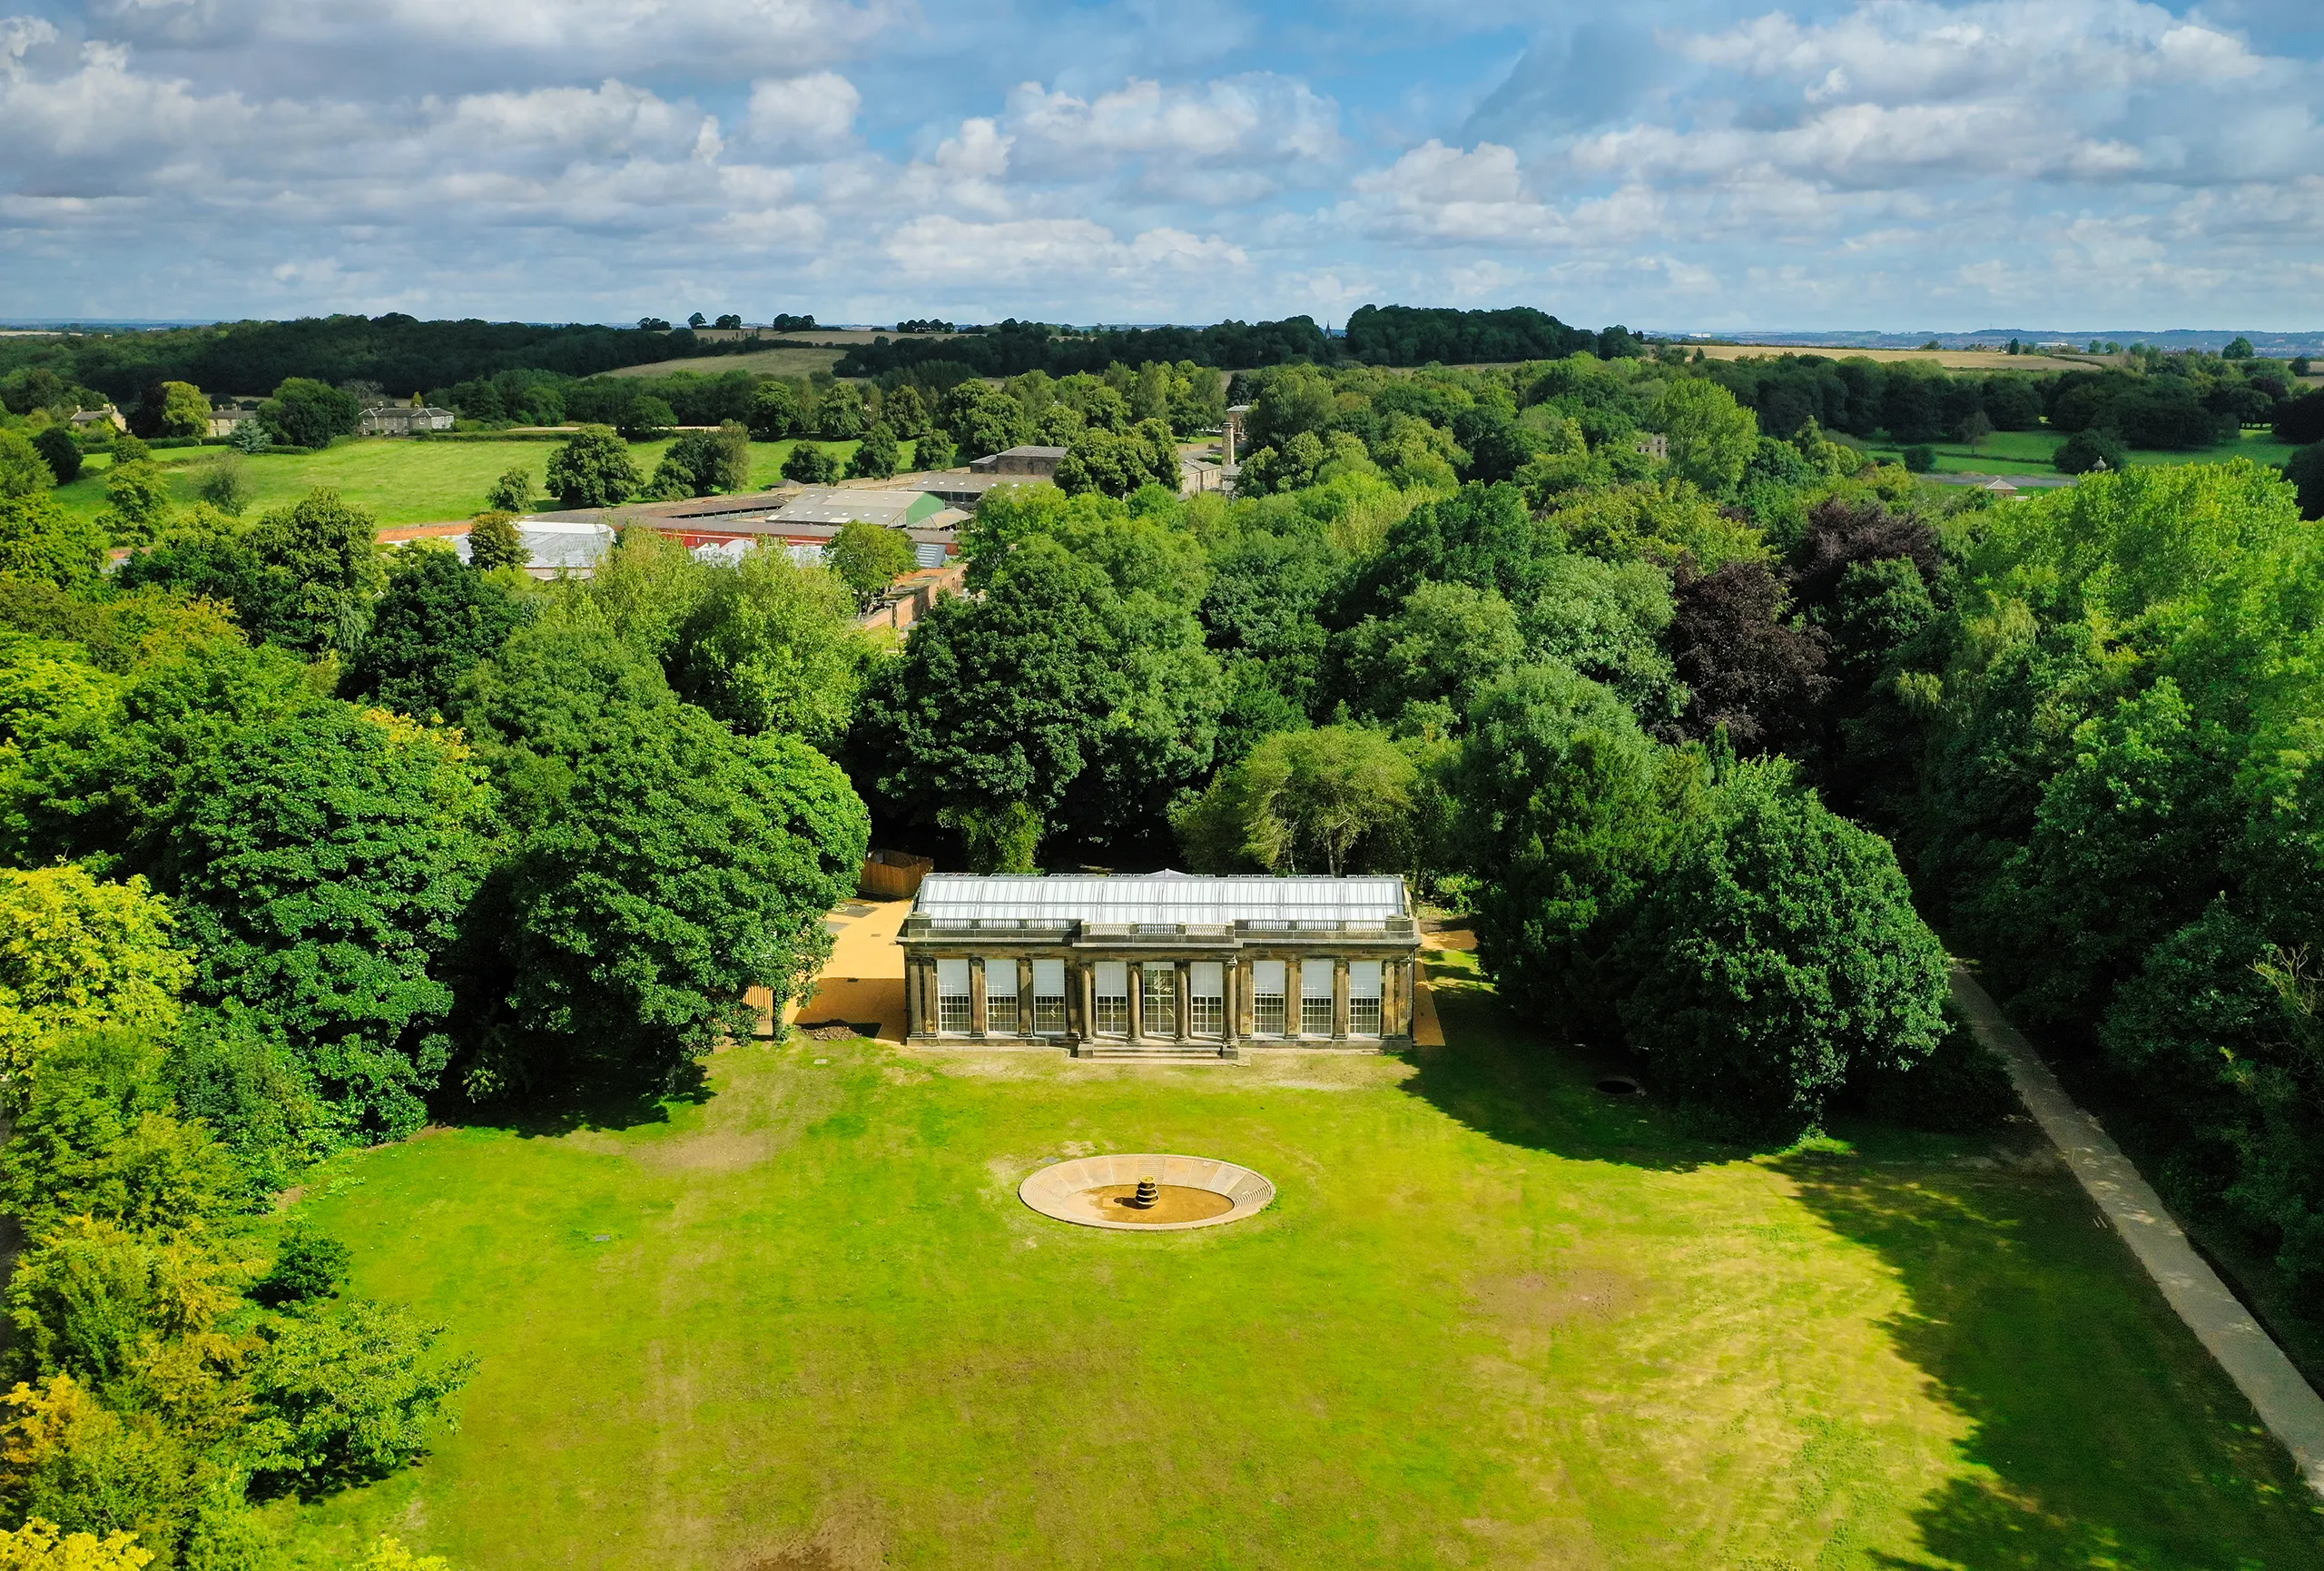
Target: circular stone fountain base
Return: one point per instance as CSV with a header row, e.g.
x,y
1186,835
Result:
x,y
1102,1191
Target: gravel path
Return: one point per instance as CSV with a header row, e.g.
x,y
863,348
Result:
x,y
2286,1403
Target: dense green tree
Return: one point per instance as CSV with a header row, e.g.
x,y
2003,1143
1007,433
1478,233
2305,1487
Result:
x,y
981,419
325,862
840,414
773,646
593,470
775,411
81,953
1118,463
346,1393
107,783
40,541
689,866
2305,471
307,414
23,471
494,542
877,455
224,483
869,557
1332,800
95,1135
512,492
438,617
314,567
1446,644
1712,436
810,465
1000,699
1565,814
137,502
648,418
2091,450
1779,953
185,411
530,708
59,451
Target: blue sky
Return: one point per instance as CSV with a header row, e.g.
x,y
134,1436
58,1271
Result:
x,y
1897,164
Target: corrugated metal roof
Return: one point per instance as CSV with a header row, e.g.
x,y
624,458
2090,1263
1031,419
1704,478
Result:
x,y
1158,897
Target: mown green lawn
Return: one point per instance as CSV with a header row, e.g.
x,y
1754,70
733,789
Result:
x,y
401,480
1494,1319
2031,452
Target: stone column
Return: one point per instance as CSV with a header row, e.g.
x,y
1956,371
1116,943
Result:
x,y
975,996
1186,998
912,996
1230,1010
1084,995
1136,982
1025,996
1294,1001
1242,1005
1339,999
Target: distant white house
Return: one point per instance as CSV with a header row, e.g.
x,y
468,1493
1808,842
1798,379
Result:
x,y
226,414
403,420
83,419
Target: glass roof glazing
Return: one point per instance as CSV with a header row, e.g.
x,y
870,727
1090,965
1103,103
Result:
x,y
1158,897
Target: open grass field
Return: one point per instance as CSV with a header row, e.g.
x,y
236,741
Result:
x,y
1494,1319
1951,359
401,480
2031,452
783,360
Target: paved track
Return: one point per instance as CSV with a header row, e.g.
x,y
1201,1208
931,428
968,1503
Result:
x,y
2285,1402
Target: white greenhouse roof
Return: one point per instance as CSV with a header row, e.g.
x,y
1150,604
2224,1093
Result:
x,y
1158,897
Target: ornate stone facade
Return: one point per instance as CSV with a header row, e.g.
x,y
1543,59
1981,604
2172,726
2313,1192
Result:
x,y
1160,964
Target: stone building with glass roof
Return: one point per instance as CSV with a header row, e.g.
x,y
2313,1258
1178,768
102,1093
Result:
x,y
1161,963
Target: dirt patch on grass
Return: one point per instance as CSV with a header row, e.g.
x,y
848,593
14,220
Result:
x,y
1543,1301
848,1541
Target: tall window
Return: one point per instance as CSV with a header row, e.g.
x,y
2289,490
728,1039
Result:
x,y
1001,993
1160,1004
1048,998
1315,996
953,996
1111,986
1207,998
1364,998
1267,1010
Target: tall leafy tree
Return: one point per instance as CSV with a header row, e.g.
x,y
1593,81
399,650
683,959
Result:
x,y
773,646
313,570
999,700
307,414
1566,814
324,863
438,617
591,469
1780,953
688,867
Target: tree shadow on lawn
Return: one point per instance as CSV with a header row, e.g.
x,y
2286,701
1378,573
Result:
x,y
1514,1082
612,1101
2112,1438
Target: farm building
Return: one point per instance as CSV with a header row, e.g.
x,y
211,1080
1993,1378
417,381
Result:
x,y
1163,962
896,509
1038,462
403,420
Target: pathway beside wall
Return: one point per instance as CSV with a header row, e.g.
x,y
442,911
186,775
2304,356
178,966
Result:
x,y
2285,1402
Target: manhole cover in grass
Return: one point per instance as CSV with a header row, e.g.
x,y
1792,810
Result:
x,y
1146,1193
1619,1085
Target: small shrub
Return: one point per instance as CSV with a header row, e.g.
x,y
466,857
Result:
x,y
1920,459
512,492
308,1267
